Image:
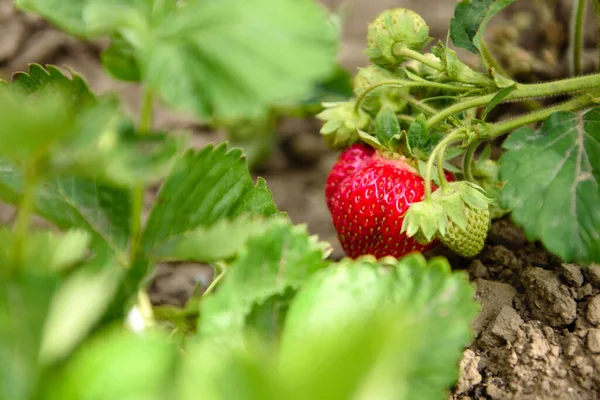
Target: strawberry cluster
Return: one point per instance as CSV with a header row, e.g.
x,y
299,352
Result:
x,y
378,178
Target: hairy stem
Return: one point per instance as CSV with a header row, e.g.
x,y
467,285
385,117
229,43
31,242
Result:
x,y
522,92
468,161
596,4
500,128
406,83
576,37
455,135
21,225
137,201
491,61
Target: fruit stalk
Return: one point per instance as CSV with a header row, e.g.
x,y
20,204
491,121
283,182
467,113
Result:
x,y
468,161
454,136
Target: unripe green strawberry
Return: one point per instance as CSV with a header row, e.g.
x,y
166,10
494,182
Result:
x,y
385,95
467,242
392,30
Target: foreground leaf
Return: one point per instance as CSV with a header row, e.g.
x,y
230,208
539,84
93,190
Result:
x,y
387,330
77,305
203,188
282,257
228,58
552,184
118,365
23,307
470,20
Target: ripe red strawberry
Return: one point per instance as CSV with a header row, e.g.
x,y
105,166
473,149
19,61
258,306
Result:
x,y
368,195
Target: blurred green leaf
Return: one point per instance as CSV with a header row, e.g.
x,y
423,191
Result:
x,y
222,240
77,305
52,79
77,203
24,304
387,330
66,14
470,20
119,365
282,257
32,124
213,373
119,60
48,251
230,58
552,185
203,188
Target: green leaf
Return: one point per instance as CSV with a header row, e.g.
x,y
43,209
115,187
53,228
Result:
x,y
66,14
77,203
32,124
77,305
23,307
497,99
470,19
52,79
118,365
281,258
47,251
552,186
228,58
211,373
219,241
418,134
203,188
387,127
119,60
385,330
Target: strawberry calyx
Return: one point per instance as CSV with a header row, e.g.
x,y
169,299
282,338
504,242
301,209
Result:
x,y
448,205
342,122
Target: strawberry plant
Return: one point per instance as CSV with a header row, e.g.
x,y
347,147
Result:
x,y
427,114
280,319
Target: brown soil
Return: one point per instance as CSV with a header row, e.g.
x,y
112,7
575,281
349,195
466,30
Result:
x,y
538,336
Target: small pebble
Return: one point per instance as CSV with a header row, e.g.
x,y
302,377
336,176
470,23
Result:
x,y
593,310
593,340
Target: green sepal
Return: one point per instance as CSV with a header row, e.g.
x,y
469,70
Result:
x,y
447,204
424,220
342,120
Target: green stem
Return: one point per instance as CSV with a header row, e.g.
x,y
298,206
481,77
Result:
x,y
21,226
415,55
523,91
405,83
221,271
576,36
500,128
491,61
440,168
137,200
468,161
455,135
596,4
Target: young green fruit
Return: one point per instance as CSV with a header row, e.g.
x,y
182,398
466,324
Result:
x,y
470,241
392,31
379,97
